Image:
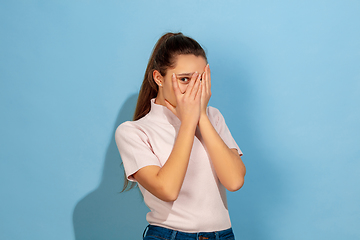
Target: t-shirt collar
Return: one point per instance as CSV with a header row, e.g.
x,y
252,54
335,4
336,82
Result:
x,y
162,113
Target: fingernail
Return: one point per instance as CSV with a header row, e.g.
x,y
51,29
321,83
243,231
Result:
x,y
173,74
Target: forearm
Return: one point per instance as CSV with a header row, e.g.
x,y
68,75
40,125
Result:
x,y
172,174
227,163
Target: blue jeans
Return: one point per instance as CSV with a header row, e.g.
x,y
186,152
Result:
x,y
161,233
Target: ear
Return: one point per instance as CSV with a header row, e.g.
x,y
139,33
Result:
x,y
158,78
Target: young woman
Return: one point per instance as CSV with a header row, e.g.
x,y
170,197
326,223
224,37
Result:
x,y
178,150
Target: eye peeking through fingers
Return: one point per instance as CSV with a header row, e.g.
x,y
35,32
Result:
x,y
184,79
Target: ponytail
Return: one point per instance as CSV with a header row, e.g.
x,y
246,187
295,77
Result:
x,y
149,88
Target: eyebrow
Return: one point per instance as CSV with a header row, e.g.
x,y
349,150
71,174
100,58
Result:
x,y
184,74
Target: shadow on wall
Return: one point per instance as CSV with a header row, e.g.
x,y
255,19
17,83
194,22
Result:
x,y
105,213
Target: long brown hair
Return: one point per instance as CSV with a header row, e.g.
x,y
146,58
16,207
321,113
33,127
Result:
x,y
163,56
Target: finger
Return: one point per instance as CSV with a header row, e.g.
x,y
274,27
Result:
x,y
196,87
208,73
203,84
191,84
199,92
175,85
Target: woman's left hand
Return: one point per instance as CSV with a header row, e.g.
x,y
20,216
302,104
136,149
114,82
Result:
x,y
206,90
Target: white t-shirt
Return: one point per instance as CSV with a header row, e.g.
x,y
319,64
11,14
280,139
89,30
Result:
x,y
201,205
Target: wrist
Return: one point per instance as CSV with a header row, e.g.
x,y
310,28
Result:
x,y
188,124
203,118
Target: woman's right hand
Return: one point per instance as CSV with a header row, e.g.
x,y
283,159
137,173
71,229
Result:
x,y
188,104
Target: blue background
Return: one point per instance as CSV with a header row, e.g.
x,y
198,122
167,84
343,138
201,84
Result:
x,y
285,74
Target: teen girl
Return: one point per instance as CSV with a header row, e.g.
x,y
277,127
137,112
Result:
x,y
178,150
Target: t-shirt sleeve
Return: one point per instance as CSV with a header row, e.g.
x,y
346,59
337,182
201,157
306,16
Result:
x,y
219,124
135,149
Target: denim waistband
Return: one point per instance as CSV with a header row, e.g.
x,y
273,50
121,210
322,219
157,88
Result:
x,y
165,233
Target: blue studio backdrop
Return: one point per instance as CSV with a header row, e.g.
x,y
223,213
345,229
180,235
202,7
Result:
x,y
285,75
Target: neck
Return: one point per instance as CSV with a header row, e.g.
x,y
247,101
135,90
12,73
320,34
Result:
x,y
160,98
